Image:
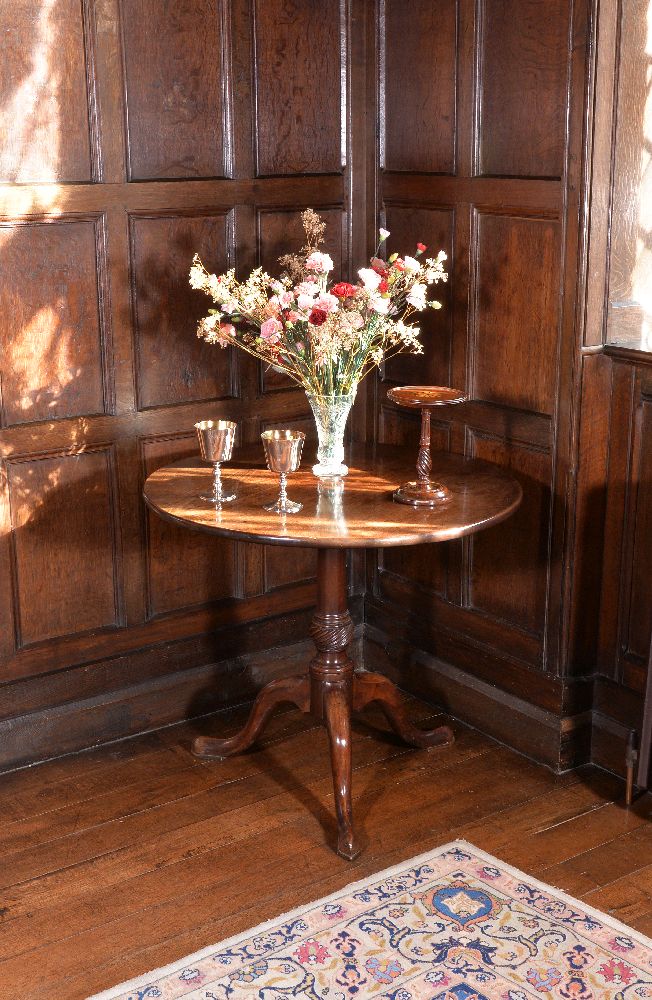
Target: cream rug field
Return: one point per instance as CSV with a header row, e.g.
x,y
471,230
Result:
x,y
453,924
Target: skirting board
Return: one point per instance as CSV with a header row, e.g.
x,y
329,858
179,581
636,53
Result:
x,y
559,741
86,723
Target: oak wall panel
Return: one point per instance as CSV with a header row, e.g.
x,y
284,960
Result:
x,y
65,549
639,619
45,103
409,225
516,311
300,63
507,570
523,57
174,81
417,85
173,364
53,325
184,568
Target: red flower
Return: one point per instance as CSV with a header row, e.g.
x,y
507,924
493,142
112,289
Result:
x,y
398,264
311,952
421,247
343,290
383,286
618,972
379,266
317,317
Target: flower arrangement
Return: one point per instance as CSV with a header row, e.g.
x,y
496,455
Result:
x,y
326,337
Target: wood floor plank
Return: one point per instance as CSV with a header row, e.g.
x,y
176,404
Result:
x,y
119,861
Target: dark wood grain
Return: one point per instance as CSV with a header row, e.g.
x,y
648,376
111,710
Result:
x,y
298,92
523,87
174,365
363,516
156,105
190,843
418,397
417,100
175,86
520,556
513,310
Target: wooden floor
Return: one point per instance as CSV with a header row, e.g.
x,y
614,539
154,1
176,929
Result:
x,y
123,859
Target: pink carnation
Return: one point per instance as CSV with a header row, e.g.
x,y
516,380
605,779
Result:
x,y
319,262
327,302
270,331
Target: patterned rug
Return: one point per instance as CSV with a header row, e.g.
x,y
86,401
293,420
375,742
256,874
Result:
x,y
453,924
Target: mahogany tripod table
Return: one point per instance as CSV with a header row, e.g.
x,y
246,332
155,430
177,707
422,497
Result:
x,y
362,515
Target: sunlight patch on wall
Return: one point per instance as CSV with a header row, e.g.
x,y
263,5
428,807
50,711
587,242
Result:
x,y
30,120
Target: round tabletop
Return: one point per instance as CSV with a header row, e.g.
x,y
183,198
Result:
x,y
426,396
361,515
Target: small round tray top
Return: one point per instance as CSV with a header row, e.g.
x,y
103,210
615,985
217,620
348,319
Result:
x,y
419,397
363,515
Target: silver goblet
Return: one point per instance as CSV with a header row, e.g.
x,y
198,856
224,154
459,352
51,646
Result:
x,y
283,455
216,439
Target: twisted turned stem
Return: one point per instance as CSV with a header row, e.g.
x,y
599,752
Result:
x,y
424,461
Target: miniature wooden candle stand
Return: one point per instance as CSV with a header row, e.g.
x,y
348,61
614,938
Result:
x,y
424,492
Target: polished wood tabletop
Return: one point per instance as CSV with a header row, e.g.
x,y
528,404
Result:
x,y
362,515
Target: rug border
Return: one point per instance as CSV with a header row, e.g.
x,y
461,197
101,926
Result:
x,y
150,977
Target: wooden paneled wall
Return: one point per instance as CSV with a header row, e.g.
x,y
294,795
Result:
x,y
133,134
480,137
625,623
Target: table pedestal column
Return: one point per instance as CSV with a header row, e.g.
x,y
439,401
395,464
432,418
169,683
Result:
x,y
331,683
330,691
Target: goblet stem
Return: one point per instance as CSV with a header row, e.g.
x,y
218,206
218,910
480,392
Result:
x,y
283,492
218,496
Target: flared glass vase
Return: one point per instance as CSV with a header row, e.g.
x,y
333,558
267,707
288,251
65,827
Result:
x,y
331,414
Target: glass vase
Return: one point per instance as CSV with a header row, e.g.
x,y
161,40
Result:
x,y
331,414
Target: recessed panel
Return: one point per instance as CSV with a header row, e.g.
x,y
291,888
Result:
x,y
509,562
185,568
423,564
418,85
44,123
434,228
50,321
640,606
516,305
173,364
174,85
63,543
524,54
299,86
281,232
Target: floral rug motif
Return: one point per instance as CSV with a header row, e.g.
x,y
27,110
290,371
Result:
x,y
453,924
